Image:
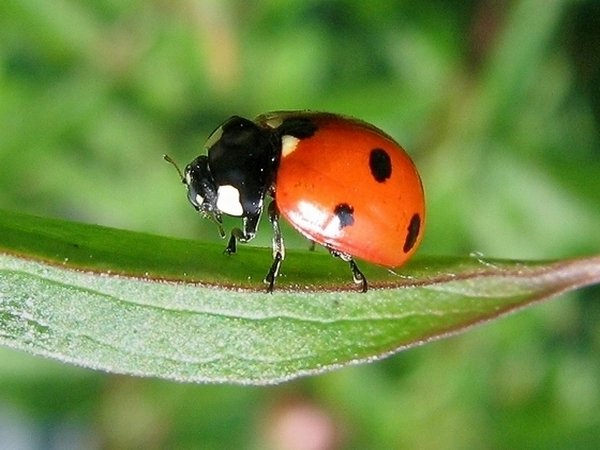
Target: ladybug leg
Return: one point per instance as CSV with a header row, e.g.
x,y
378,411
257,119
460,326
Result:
x,y
273,272
231,244
245,234
278,247
357,276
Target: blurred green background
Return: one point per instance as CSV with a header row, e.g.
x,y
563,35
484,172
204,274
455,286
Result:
x,y
497,101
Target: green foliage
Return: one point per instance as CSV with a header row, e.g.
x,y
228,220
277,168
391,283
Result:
x,y
135,323
498,104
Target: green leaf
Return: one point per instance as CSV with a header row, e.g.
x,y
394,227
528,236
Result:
x,y
100,298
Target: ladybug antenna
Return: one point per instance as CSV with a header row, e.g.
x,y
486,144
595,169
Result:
x,y
170,160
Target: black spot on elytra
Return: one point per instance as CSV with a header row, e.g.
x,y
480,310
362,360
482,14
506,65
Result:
x,y
299,127
412,233
380,165
345,214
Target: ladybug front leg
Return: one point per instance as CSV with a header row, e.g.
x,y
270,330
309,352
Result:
x,y
245,234
278,247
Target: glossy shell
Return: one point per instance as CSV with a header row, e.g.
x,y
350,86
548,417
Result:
x,y
349,186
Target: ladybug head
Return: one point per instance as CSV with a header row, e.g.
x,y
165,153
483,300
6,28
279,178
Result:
x,y
201,188
202,192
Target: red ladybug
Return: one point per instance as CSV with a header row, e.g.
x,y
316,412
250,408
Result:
x,y
339,181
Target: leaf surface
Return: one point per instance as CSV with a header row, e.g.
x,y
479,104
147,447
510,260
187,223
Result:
x,y
146,305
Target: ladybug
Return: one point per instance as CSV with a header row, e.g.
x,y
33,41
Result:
x,y
341,182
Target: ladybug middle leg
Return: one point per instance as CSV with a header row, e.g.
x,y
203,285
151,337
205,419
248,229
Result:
x,y
278,247
357,276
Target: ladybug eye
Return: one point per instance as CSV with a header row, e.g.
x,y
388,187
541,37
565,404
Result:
x,y
195,199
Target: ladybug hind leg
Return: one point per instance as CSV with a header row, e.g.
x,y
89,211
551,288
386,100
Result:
x,y
278,247
357,276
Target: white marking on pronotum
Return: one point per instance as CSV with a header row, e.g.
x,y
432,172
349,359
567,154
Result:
x,y
228,200
199,199
288,144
